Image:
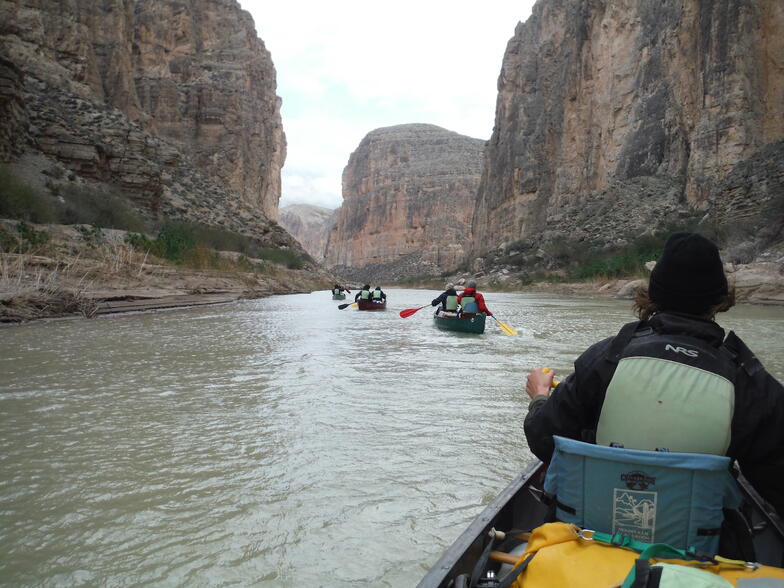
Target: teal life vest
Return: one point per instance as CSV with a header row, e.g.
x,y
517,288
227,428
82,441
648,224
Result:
x,y
469,304
365,294
451,303
650,496
376,294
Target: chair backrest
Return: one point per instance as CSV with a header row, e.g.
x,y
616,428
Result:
x,y
650,496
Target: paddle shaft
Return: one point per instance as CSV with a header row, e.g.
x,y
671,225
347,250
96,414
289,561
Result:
x,y
504,327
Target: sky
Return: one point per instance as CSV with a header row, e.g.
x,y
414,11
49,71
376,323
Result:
x,y
347,67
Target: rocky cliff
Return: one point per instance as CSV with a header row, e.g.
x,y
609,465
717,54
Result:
x,y
310,225
205,82
617,118
408,194
172,102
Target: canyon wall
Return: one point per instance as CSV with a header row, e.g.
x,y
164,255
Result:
x,y
174,103
619,117
408,197
206,82
310,225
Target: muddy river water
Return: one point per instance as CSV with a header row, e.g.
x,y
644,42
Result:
x,y
274,442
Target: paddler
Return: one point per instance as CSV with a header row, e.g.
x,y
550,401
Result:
x,y
471,301
363,294
717,397
447,299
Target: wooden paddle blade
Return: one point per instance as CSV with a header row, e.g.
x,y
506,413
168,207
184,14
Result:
x,y
407,312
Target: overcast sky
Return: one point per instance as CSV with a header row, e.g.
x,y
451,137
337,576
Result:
x,y
348,67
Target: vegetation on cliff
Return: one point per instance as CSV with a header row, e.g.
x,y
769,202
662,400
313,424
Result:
x,y
71,251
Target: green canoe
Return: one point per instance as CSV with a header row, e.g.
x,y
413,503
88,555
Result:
x,y
472,324
338,297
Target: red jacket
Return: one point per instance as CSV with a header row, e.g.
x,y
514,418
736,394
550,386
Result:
x,y
480,300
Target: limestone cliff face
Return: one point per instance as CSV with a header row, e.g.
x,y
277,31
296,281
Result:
x,y
12,111
407,190
174,102
82,46
616,116
206,82
310,225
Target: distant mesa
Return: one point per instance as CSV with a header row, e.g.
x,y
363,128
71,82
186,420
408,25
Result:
x,y
408,199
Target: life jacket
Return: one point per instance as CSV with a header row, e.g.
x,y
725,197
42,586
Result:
x,y
668,391
451,303
650,496
376,294
469,304
365,294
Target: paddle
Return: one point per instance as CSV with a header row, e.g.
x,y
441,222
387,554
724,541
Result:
x,y
347,304
407,312
555,382
505,328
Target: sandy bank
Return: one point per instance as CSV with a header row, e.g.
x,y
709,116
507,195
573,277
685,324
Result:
x,y
69,278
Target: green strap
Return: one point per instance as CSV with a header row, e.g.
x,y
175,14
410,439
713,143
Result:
x,y
647,550
618,540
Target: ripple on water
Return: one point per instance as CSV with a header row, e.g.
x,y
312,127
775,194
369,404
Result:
x,y
277,442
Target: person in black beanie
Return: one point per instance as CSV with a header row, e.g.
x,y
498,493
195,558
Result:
x,y
671,380
689,278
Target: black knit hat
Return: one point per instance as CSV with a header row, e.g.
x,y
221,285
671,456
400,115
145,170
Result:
x,y
689,276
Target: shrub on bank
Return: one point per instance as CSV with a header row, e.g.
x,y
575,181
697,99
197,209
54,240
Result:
x,y
90,206
195,245
626,261
25,239
19,200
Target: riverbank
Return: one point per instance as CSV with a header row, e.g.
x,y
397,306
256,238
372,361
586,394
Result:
x,y
755,283
69,276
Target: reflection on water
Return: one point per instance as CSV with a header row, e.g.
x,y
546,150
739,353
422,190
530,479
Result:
x,y
277,442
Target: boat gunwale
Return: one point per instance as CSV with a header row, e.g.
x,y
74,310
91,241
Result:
x,y
768,536
438,575
463,324
375,305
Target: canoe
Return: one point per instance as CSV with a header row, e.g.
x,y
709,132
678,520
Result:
x,y
338,297
473,324
372,305
517,507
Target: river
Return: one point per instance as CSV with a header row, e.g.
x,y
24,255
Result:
x,y
275,442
